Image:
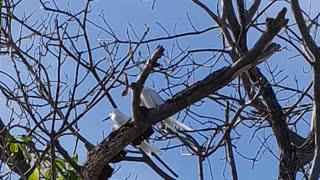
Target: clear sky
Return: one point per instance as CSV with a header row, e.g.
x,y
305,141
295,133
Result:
x,y
173,16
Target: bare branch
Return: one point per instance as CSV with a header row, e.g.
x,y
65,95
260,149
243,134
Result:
x,y
137,87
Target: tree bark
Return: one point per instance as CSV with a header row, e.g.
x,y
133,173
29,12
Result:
x,y
116,141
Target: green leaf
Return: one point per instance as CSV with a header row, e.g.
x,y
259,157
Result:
x,y
11,139
14,148
47,174
26,154
75,158
35,175
60,163
71,175
25,139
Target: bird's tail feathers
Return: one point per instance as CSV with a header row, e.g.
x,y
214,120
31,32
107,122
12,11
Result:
x,y
175,125
149,149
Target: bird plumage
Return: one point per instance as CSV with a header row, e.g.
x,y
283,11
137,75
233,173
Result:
x,y
150,99
119,119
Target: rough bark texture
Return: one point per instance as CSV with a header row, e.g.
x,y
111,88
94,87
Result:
x,y
313,53
116,141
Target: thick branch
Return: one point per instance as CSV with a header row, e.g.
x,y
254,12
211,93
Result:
x,y
315,169
311,45
117,140
253,9
228,10
315,54
241,11
137,87
280,129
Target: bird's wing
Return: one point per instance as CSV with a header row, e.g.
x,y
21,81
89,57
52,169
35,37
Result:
x,y
118,118
150,98
115,127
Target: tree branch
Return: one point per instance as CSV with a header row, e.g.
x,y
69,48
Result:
x,y
228,10
137,87
314,51
117,140
311,45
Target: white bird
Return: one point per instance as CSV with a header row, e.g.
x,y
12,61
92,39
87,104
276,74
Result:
x,y
150,98
119,119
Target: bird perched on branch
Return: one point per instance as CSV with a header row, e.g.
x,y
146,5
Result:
x,y
119,119
150,98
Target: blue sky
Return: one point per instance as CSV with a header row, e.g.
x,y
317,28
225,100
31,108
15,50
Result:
x,y
172,15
